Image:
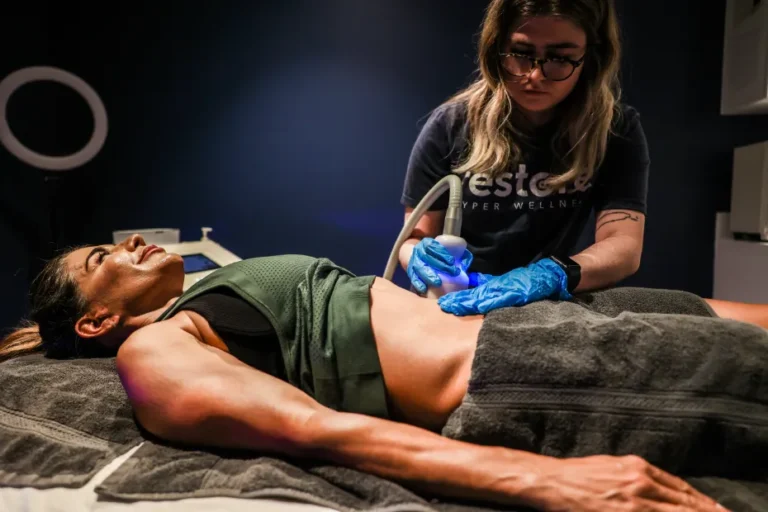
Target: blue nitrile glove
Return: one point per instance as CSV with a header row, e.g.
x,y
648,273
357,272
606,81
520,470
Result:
x,y
544,279
478,279
430,257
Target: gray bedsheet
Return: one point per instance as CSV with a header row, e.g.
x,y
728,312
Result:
x,y
61,421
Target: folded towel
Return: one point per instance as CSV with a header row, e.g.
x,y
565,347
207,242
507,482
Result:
x,y
689,393
161,472
61,421
629,299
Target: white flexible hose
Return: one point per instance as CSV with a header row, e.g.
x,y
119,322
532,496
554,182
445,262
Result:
x,y
452,225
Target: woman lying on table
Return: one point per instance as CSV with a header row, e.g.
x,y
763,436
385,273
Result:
x,y
297,356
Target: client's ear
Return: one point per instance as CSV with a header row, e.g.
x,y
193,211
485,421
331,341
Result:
x,y
96,323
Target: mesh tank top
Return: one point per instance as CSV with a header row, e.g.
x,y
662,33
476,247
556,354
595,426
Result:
x,y
320,314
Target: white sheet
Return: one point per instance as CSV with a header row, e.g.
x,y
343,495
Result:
x,y
84,499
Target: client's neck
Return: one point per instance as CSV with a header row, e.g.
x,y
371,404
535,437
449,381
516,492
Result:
x,y
134,323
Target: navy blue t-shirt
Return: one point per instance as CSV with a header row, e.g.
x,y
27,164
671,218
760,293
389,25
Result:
x,y
512,219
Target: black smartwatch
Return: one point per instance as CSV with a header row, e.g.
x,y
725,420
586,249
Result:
x,y
572,270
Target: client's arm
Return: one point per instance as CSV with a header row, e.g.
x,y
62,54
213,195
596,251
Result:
x,y
185,391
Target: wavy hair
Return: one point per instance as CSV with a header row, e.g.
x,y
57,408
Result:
x,y
586,115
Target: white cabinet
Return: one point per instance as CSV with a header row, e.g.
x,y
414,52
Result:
x,y
745,58
741,266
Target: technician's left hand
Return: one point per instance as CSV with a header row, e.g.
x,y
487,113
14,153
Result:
x,y
538,281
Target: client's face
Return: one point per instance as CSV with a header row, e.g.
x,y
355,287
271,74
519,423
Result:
x,y
126,280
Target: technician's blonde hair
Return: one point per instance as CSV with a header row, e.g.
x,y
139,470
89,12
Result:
x,y
586,116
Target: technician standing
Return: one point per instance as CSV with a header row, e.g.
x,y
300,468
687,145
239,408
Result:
x,y
539,140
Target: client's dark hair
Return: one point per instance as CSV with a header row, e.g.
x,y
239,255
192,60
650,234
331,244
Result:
x,y
56,305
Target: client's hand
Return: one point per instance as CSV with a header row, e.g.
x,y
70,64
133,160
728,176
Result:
x,y
541,280
604,484
429,257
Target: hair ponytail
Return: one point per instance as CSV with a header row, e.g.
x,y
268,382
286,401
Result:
x,y
56,305
24,340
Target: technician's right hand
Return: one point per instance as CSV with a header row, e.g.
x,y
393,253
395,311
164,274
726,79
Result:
x,y
430,257
604,483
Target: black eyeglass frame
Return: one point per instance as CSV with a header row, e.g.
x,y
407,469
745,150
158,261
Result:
x,y
540,63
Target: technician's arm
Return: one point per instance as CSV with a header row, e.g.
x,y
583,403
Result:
x,y
188,392
430,225
616,252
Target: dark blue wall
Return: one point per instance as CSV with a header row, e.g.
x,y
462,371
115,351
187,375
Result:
x,y
286,126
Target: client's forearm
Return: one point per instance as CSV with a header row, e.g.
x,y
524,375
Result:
x,y
416,458
423,460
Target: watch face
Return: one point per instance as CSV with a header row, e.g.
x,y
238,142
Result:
x,y
572,271
568,262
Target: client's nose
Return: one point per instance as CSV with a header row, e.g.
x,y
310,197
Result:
x,y
134,241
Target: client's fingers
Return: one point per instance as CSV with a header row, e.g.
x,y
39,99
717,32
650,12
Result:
x,y
655,506
689,501
670,481
672,489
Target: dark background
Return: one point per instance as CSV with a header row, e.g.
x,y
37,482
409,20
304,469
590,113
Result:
x,y
286,126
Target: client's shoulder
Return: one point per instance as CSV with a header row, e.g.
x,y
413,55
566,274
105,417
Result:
x,y
158,338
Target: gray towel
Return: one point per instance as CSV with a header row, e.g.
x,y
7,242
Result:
x,y
615,301
161,472
61,421
689,393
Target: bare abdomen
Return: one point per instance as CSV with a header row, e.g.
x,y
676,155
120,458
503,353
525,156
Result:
x,y
425,354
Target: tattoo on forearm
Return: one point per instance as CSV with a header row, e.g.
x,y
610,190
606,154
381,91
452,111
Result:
x,y
611,217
